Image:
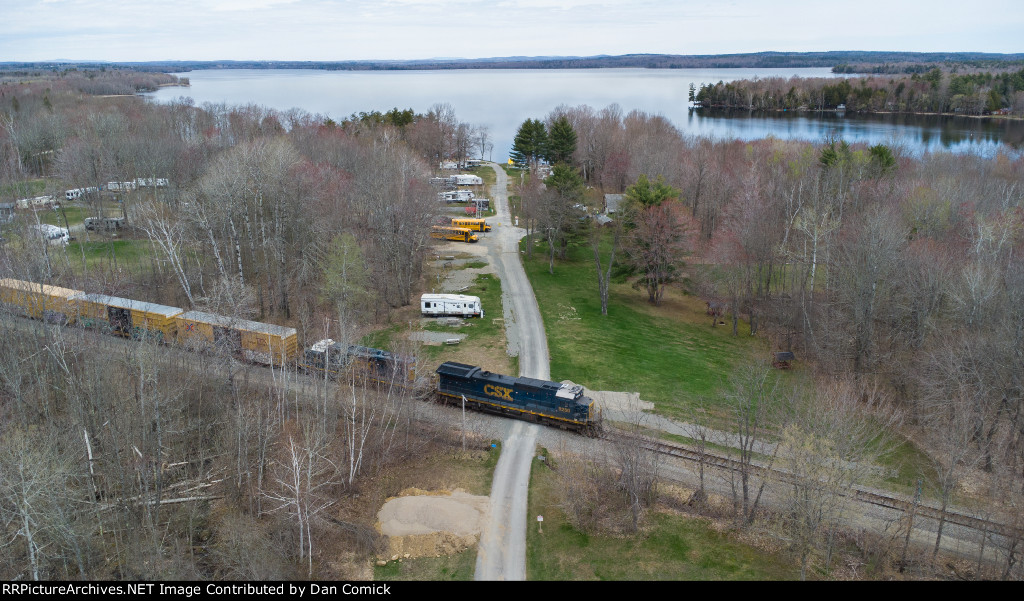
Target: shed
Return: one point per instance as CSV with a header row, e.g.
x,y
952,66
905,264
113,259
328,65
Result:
x,y
781,359
612,202
6,212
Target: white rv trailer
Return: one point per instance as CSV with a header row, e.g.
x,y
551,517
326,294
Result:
x,y
456,196
464,179
451,304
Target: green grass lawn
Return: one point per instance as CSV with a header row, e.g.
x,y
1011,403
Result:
x,y
130,255
74,216
670,354
670,547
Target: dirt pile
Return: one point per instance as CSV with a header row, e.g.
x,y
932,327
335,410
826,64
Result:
x,y
423,523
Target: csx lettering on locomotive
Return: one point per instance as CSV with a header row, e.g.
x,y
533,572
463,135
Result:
x,y
498,391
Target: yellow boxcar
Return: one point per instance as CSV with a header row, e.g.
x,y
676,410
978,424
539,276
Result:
x,y
52,304
253,341
126,317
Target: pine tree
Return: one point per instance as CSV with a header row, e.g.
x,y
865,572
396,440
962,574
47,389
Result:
x,y
561,141
530,143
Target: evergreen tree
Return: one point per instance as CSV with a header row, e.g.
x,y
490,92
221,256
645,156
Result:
x,y
530,143
645,194
561,141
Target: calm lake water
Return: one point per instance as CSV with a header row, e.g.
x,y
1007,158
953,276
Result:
x,y
502,99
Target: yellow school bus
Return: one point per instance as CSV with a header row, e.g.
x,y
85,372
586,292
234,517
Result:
x,y
473,223
445,232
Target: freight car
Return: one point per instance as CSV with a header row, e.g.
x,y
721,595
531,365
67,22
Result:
x,y
542,401
251,341
51,304
329,358
126,317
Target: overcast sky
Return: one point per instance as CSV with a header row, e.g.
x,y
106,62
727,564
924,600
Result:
x,y
140,30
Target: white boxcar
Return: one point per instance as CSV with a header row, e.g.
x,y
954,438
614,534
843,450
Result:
x,y
451,304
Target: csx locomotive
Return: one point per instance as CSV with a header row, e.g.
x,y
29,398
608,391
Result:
x,y
556,404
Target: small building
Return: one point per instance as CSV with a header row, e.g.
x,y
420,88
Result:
x,y
6,212
612,202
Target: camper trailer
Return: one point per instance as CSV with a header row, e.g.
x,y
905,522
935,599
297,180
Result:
x,y
456,196
460,305
464,179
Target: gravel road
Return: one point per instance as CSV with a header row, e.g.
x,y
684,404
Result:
x,y
501,554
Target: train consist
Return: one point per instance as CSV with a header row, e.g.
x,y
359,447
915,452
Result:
x,y
542,401
556,404
251,341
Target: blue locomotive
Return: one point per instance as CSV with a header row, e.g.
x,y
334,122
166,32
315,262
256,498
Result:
x,y
553,403
376,365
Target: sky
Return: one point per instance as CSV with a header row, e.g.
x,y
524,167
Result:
x,y
339,30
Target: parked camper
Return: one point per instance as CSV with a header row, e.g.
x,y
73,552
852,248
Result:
x,y
104,223
51,233
149,182
464,179
456,196
458,305
121,186
470,163
73,194
38,201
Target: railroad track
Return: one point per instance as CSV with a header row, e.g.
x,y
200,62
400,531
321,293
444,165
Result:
x,y
858,493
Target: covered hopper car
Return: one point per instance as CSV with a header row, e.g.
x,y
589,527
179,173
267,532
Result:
x,y
561,405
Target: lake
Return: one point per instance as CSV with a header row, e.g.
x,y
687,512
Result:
x,y
502,99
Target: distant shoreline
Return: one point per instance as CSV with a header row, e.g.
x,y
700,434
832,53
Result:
x,y
861,62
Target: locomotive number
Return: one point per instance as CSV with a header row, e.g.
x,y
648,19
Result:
x,y
564,409
499,391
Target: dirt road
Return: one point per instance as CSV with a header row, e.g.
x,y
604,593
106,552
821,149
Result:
x,y
501,554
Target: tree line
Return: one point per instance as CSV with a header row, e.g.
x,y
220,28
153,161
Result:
x,y
933,91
